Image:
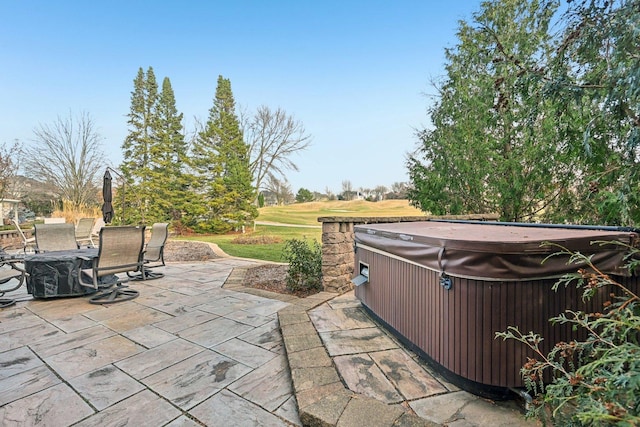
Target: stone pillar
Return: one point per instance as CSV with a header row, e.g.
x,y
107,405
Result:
x,y
337,256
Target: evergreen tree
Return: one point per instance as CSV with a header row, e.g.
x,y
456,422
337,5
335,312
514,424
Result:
x,y
495,146
221,162
535,125
594,77
136,165
304,195
168,178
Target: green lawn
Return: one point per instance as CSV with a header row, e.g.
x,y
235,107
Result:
x,y
300,214
265,252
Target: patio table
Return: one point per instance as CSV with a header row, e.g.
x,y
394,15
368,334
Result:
x,y
55,273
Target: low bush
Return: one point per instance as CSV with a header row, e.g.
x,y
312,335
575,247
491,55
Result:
x,y
305,264
595,382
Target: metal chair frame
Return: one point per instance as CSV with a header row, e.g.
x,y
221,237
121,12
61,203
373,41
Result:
x,y
7,274
154,252
120,251
26,241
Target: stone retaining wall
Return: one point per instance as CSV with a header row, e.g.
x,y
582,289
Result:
x,y
12,239
337,244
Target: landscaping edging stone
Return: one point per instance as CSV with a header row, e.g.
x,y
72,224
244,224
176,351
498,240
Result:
x,y
322,398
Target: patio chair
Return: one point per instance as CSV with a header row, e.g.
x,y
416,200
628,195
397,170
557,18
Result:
x,y
154,252
10,270
120,251
55,237
84,230
27,242
95,231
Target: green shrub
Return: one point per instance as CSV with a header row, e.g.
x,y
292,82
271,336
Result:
x,y
595,382
305,264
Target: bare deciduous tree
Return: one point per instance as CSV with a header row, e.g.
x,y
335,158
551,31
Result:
x,y
347,190
280,189
9,161
273,136
67,154
380,191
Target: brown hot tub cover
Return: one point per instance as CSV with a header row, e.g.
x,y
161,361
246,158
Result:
x,y
495,251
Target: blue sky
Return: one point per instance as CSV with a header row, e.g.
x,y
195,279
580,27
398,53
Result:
x,y
355,73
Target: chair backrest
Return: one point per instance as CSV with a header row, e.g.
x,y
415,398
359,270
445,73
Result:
x,y
95,231
54,221
55,237
120,249
155,246
84,228
20,232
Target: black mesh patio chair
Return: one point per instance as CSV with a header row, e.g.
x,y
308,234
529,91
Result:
x,y
154,252
120,251
55,237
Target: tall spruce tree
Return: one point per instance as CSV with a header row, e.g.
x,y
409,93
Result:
x,y
169,181
154,154
136,164
221,161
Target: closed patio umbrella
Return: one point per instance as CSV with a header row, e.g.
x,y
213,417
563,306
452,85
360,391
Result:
x,y
107,207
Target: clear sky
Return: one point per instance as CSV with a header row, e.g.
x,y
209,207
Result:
x,y
355,73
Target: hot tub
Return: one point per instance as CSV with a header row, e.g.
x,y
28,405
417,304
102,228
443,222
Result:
x,y
446,287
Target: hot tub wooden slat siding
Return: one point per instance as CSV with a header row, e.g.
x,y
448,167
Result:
x,y
456,328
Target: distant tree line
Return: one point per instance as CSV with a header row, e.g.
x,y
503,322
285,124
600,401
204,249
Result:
x,y
538,116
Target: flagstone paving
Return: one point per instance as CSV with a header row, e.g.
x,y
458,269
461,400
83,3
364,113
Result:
x,y
190,352
186,352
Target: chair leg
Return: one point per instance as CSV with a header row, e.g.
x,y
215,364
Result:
x,y
6,302
115,294
146,274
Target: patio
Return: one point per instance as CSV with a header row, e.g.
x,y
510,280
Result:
x,y
197,348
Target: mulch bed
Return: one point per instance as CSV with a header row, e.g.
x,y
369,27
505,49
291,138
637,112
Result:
x,y
272,277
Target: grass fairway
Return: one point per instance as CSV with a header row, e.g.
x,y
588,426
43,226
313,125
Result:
x,y
308,213
299,214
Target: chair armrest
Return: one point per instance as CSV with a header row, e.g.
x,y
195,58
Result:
x,y
13,263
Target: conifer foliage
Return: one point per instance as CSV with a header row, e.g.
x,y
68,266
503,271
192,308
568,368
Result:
x,y
154,153
221,164
538,116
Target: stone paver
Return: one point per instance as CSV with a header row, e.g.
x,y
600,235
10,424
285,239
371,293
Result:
x,y
356,341
190,352
406,375
185,353
381,383
53,406
227,409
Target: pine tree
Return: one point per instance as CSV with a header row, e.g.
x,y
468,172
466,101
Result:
x,y
221,161
155,154
136,165
168,180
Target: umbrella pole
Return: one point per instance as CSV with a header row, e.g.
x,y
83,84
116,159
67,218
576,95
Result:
x,y
123,193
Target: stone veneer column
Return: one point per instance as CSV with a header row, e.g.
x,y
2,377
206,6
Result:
x,y
338,258
337,255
